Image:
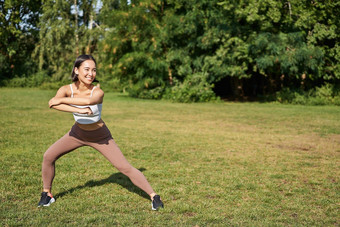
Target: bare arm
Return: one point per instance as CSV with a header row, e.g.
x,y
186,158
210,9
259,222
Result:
x,y
97,97
62,93
72,109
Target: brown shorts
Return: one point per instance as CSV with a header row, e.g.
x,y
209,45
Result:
x,y
94,136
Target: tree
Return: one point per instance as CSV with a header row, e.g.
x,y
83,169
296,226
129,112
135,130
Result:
x,y
18,35
268,44
131,51
186,49
151,46
67,29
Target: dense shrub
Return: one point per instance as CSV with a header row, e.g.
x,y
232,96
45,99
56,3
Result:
x,y
16,82
140,92
328,94
53,85
40,79
194,88
35,80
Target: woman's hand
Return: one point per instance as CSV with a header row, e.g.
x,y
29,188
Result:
x,y
54,102
86,110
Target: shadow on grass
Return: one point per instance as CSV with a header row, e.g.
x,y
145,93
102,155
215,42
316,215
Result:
x,y
116,178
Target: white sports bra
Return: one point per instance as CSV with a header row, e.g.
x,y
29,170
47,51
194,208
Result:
x,y
85,118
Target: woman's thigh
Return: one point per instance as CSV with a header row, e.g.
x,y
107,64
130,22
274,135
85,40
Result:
x,y
61,147
111,152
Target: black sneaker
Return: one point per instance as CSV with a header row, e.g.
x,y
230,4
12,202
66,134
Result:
x,y
157,202
46,199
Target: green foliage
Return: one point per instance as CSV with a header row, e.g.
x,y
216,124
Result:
x,y
16,82
327,94
153,48
111,85
195,88
155,44
66,30
18,36
40,79
52,85
139,92
322,29
285,54
130,53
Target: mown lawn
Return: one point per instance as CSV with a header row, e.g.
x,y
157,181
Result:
x,y
215,164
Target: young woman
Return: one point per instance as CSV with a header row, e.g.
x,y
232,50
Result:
x,y
84,100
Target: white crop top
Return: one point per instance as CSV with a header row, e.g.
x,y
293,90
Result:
x,y
85,118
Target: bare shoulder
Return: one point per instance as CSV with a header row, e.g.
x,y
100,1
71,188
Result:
x,y
98,91
98,95
64,91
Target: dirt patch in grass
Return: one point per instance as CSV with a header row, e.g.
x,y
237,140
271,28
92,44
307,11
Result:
x,y
308,143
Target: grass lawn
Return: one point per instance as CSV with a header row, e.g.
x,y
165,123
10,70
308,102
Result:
x,y
214,164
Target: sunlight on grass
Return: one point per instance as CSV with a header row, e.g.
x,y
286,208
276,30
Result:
x,y
219,164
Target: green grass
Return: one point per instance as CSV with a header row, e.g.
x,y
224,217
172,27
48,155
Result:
x,y
222,164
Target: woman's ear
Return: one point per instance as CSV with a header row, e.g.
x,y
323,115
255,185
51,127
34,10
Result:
x,y
76,70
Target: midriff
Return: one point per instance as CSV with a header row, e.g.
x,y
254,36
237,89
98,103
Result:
x,y
93,126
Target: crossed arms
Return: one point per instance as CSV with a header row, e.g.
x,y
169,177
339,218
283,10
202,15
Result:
x,y
63,103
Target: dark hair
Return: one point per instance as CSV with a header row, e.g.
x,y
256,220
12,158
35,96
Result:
x,y
80,59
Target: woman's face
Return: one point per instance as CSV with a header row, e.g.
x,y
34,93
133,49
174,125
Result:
x,y
86,72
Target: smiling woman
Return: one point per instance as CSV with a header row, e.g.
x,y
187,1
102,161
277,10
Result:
x,y
84,100
86,66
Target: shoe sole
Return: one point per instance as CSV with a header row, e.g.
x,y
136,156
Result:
x,y
49,203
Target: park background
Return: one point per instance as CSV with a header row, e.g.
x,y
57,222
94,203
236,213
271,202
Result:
x,y
186,51
198,96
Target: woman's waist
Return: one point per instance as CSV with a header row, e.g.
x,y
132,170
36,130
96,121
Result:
x,y
92,126
95,132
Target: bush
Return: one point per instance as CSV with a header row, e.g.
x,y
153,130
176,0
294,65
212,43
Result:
x,y
327,94
195,88
155,93
112,85
35,80
140,91
16,82
53,85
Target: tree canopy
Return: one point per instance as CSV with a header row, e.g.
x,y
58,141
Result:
x,y
18,34
191,50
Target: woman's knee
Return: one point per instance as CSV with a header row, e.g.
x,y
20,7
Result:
x,y
126,169
48,157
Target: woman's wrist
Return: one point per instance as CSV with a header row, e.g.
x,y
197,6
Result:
x,y
86,110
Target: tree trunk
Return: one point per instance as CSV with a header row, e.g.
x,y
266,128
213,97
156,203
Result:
x,y
76,27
